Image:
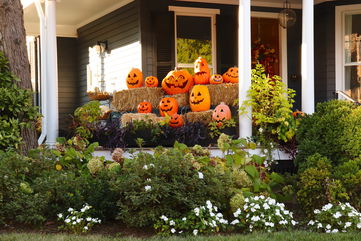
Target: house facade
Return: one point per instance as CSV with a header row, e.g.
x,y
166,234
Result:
x,y
98,43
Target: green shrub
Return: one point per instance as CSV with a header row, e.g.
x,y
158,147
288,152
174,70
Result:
x,y
332,131
167,183
16,108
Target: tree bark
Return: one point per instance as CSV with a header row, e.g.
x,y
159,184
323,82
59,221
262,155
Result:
x,y
13,44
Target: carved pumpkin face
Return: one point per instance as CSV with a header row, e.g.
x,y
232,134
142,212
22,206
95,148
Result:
x,y
134,78
199,99
151,81
168,105
216,79
298,114
176,121
145,107
221,113
201,71
231,76
177,81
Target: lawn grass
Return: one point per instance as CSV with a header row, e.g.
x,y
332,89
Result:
x,y
281,236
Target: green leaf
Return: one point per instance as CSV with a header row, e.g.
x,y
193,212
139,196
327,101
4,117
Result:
x,y
252,171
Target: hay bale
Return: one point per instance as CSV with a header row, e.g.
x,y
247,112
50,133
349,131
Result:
x,y
203,116
130,117
182,99
226,93
128,100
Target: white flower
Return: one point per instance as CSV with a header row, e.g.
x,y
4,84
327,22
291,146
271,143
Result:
x,y
359,225
73,218
83,210
316,211
70,210
145,167
261,197
271,201
79,220
85,228
212,214
219,215
74,223
171,223
246,200
286,212
200,175
348,224
147,188
184,219
328,226
148,179
253,210
67,220
60,215
164,218
257,206
255,218
237,213
319,225
88,219
293,222
196,211
256,198
337,215
260,130
234,222
351,214
335,230
195,232
266,206
173,230
151,164
311,222
327,207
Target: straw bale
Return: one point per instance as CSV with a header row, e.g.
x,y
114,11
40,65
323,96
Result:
x,y
128,100
130,117
226,93
182,99
203,116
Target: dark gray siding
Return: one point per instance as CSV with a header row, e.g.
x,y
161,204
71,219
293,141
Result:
x,y
120,28
67,81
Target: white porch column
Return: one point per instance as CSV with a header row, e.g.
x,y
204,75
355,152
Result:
x,y
307,65
51,73
244,64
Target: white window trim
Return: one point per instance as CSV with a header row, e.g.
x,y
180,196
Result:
x,y
197,12
340,12
282,44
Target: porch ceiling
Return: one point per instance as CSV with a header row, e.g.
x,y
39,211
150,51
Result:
x,y
71,14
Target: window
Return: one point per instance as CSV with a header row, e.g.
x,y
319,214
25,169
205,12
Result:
x,y
348,50
195,35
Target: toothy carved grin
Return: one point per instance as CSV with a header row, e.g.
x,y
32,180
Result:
x,y
181,86
197,102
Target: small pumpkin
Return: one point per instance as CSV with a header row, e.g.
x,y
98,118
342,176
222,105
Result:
x,y
199,99
201,71
221,113
151,81
216,79
298,113
177,82
145,107
168,105
176,121
231,76
134,78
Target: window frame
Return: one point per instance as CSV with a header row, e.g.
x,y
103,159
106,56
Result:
x,y
197,12
340,61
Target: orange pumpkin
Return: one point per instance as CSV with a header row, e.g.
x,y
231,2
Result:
x,y
145,107
216,79
177,81
297,114
134,78
168,105
176,121
199,99
221,113
201,71
151,81
231,76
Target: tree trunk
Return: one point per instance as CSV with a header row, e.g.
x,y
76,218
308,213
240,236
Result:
x,y
13,44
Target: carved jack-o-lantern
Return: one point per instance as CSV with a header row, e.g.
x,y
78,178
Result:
x,y
151,81
168,105
145,107
199,99
201,71
176,121
134,78
231,76
177,81
221,113
216,79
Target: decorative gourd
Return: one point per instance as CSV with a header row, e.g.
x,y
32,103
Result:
x,y
151,81
221,113
199,99
134,78
168,105
176,121
216,79
201,71
231,76
177,81
145,107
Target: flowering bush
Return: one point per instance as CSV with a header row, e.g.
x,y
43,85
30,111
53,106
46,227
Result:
x,y
76,221
336,218
263,214
203,219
